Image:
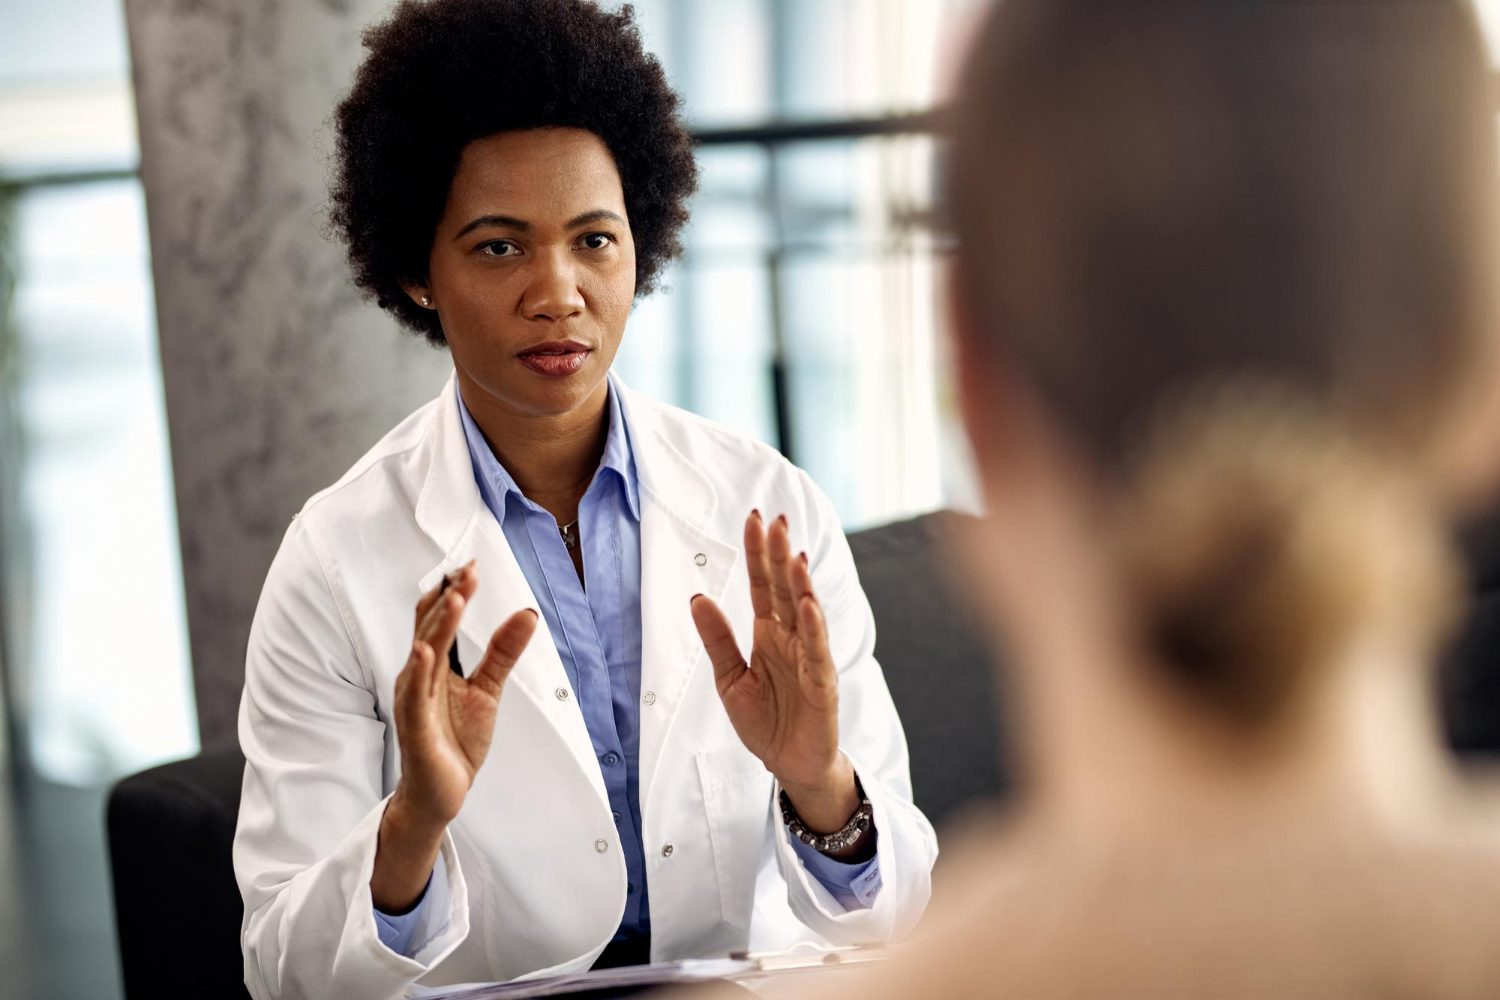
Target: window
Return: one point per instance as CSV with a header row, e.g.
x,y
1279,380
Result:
x,y
93,639
806,309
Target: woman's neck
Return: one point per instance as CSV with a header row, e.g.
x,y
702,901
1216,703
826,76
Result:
x,y
1120,763
552,457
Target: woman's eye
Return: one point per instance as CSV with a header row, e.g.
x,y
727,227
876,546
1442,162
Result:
x,y
499,248
597,241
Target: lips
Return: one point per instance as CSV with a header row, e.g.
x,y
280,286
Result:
x,y
555,358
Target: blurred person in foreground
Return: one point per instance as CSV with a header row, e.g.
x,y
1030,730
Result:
x,y
1226,336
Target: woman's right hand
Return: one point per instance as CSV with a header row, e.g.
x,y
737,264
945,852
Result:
x,y
445,722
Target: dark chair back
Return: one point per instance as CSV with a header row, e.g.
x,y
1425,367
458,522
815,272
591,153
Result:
x,y
177,906
935,663
1470,678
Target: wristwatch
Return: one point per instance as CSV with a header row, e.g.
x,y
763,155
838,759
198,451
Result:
x,y
838,840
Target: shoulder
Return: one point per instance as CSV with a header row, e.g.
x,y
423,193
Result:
x,y
393,469
361,530
367,516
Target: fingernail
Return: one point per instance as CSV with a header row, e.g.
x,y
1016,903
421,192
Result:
x,y
693,598
781,519
803,557
534,614
755,513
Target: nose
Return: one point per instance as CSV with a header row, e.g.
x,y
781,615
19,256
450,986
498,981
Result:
x,y
552,292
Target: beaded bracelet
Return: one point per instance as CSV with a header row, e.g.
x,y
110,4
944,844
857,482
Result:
x,y
838,840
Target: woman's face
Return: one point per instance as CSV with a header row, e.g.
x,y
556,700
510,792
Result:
x,y
532,269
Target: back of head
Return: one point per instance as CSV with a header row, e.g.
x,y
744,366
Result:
x,y
1241,251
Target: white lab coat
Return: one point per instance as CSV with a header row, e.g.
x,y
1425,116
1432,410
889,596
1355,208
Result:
x,y
535,871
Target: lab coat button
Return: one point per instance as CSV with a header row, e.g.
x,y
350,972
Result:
x,y
700,559
649,697
601,845
666,850
562,694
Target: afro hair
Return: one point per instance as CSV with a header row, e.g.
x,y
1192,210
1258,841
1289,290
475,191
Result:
x,y
440,74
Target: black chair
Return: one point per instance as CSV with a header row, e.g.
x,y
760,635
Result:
x,y
177,907
935,663
170,828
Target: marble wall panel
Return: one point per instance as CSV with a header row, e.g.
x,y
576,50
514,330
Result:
x,y
277,374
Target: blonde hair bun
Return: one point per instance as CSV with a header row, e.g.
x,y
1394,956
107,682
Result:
x,y
1258,536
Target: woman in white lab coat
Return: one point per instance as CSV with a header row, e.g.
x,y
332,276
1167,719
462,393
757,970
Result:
x,y
536,686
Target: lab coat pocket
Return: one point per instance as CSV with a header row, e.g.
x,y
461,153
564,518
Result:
x,y
737,801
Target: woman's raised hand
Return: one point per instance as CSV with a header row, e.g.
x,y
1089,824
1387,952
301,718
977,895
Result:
x,y
444,722
784,702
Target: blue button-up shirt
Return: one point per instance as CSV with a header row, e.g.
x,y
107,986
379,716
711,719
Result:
x,y
596,625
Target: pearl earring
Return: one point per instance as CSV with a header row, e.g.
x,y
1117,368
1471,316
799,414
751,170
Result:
x,y
426,301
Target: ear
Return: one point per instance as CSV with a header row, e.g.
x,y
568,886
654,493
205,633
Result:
x,y
1002,418
419,293
975,372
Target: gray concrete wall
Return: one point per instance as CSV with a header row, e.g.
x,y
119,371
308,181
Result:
x,y
277,375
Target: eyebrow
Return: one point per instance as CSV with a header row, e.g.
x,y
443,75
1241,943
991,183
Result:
x,y
521,225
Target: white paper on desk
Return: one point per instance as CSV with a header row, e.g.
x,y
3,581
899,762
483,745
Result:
x,y
657,974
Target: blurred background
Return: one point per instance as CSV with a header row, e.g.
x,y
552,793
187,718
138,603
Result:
x,y
172,390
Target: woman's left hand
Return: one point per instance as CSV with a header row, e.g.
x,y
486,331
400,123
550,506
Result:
x,y
784,703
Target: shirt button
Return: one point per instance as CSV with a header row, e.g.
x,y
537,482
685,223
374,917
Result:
x,y
611,759
666,850
601,845
616,815
649,697
700,559
562,694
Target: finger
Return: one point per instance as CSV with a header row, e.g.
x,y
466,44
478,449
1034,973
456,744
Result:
x,y
439,680
427,600
718,640
756,565
801,573
425,670
818,671
413,689
466,580
779,550
403,681
436,608
441,624
505,648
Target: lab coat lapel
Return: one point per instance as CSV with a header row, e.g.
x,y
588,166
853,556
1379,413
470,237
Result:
x,y
452,512
682,554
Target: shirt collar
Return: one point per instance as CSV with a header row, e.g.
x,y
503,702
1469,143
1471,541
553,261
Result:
x,y
496,484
